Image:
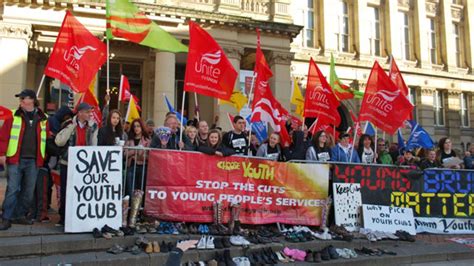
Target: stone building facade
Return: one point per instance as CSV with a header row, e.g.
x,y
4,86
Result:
x,y
432,42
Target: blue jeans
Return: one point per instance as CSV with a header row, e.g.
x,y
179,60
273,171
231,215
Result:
x,y
20,188
134,183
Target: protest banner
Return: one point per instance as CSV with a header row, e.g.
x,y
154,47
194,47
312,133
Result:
x,y
347,205
94,188
442,199
388,219
268,191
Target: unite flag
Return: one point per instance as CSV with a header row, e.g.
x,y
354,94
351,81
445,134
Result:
x,y
77,55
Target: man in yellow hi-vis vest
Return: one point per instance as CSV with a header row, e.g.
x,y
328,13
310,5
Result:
x,y
22,147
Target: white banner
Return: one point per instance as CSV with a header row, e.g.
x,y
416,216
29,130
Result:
x,y
388,219
348,205
94,188
444,225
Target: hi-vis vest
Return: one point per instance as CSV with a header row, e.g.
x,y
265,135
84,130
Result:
x,y
15,135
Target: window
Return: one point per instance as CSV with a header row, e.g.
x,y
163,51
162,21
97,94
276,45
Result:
x,y
458,44
438,105
404,34
374,34
412,98
308,38
464,110
432,40
342,32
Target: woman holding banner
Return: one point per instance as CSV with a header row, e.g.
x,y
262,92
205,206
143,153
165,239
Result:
x,y
271,150
365,150
447,156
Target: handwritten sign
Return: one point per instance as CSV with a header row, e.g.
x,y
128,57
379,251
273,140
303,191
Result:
x,y
347,205
388,219
94,188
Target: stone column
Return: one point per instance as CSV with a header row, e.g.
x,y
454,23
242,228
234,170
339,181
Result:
x,y
453,118
164,84
425,110
234,54
392,29
421,39
14,42
280,83
361,28
448,45
469,33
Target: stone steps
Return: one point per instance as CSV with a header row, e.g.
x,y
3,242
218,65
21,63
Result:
x,y
83,249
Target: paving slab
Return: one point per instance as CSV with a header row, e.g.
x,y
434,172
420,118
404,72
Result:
x,y
20,246
23,262
125,259
69,243
88,258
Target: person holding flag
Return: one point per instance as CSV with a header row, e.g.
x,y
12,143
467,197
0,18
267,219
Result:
x,y
81,130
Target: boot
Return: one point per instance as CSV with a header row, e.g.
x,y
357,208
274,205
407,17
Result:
x,y
125,209
221,228
231,219
215,219
326,209
236,229
5,224
136,203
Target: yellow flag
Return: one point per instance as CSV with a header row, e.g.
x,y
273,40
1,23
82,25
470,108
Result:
x,y
297,99
237,99
92,85
132,111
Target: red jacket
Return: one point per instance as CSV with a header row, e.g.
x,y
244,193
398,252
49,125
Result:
x,y
5,137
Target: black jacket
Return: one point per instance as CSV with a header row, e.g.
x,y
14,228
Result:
x,y
212,151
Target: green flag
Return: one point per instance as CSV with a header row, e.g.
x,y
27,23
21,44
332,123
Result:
x,y
124,20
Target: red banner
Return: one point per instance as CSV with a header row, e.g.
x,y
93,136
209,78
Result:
x,y
77,55
208,70
269,192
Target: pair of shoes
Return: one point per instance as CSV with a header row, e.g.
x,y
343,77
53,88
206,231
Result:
x,y
135,250
152,247
296,254
166,247
369,251
331,251
241,261
404,236
206,242
108,232
342,232
239,241
115,249
128,231
5,224
203,229
283,258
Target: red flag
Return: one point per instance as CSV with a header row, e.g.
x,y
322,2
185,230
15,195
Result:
x,y
208,70
320,101
356,124
328,129
88,97
5,113
124,91
265,107
384,104
396,77
77,55
231,120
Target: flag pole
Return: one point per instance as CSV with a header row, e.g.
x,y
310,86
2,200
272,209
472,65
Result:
x,y
375,146
248,106
40,86
108,67
182,115
353,141
120,91
196,106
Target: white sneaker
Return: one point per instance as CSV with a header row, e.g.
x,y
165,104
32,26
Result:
x,y
210,242
202,243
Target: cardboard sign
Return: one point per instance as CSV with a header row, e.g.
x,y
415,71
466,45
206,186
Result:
x,y
388,219
348,205
94,188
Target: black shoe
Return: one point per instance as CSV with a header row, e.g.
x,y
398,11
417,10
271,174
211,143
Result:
x,y
317,256
171,246
333,253
108,229
226,242
5,224
325,254
164,247
128,231
309,256
96,233
218,243
23,221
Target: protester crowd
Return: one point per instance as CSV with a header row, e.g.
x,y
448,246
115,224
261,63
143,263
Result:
x,y
32,144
